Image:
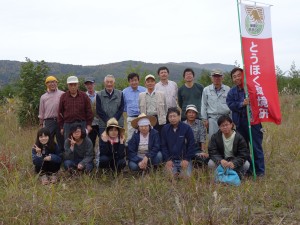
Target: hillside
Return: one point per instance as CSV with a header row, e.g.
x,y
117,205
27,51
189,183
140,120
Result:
x,y
9,70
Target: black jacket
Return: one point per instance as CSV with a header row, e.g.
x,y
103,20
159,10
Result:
x,y
240,149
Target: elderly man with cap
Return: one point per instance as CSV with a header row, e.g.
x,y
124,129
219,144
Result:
x,y
199,131
74,107
144,146
214,102
91,93
153,103
48,110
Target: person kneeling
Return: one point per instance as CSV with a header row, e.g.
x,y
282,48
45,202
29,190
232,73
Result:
x,y
79,152
112,149
178,145
228,148
46,156
144,146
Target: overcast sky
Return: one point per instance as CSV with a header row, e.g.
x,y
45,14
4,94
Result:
x,y
93,32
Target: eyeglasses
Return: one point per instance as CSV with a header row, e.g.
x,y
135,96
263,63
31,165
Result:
x,y
225,125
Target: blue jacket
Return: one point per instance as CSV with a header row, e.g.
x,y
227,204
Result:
x,y
153,146
177,145
234,100
38,160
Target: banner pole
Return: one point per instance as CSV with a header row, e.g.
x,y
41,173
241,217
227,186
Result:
x,y
247,96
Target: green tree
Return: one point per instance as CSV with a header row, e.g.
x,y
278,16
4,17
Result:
x,y
31,87
205,78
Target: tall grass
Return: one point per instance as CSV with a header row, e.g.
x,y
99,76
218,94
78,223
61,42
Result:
x,y
152,199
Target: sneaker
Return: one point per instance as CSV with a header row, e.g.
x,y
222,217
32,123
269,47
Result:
x,y
44,179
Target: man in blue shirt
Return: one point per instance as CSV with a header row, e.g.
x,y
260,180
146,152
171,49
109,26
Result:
x,y
177,143
131,101
237,103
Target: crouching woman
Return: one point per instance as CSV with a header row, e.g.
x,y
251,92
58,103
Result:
x,y
112,149
144,146
228,148
79,153
46,156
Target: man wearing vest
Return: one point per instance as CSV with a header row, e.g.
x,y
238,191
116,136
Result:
x,y
109,103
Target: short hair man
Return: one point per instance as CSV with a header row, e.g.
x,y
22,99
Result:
x,y
228,148
214,102
131,101
199,132
109,103
89,83
74,107
237,103
153,103
190,92
178,145
167,86
48,110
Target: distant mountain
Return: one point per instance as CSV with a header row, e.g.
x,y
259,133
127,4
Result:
x,y
9,70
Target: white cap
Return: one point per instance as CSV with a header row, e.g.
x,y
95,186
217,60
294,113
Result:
x,y
72,80
149,76
191,107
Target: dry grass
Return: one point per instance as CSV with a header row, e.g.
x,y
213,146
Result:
x,y
152,199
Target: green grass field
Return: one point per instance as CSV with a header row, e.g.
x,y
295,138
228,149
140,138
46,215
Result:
x,y
152,199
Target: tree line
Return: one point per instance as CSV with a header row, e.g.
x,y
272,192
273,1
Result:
x,y
31,85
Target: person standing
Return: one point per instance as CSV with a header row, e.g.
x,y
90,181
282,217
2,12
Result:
x,y
109,104
168,87
237,102
74,107
214,102
190,92
153,103
91,93
131,101
178,145
48,110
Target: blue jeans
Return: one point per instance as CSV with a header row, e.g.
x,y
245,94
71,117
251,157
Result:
x,y
178,170
257,138
110,163
73,164
152,162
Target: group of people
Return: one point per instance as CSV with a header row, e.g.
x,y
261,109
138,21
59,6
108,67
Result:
x,y
165,124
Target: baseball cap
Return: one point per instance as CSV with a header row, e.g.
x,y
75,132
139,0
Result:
x,y
217,73
89,79
149,76
50,78
191,107
72,80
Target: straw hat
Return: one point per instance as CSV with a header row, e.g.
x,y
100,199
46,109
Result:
x,y
152,119
112,122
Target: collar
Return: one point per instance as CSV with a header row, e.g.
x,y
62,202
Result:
x,y
110,94
164,84
153,92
